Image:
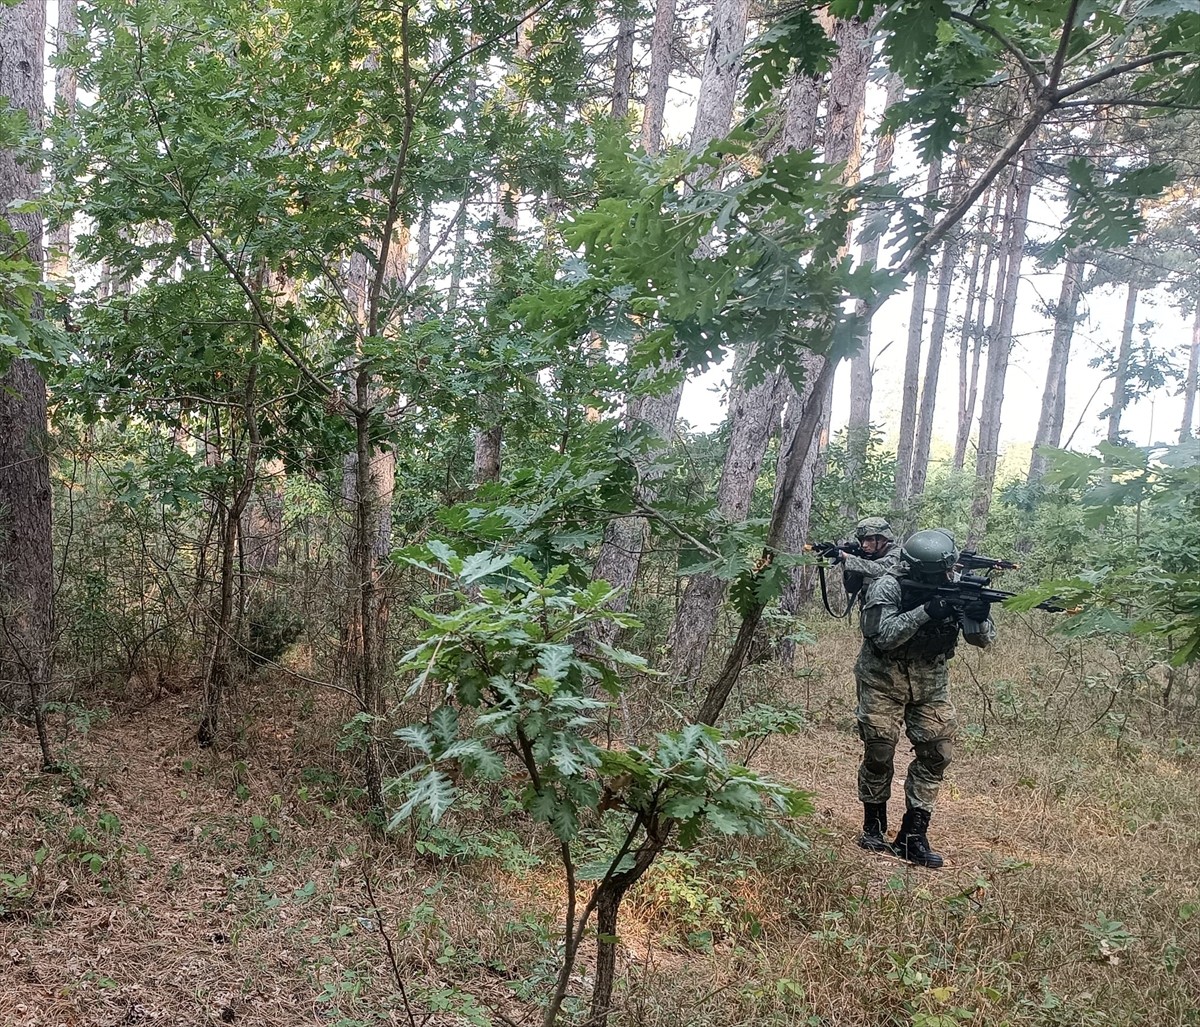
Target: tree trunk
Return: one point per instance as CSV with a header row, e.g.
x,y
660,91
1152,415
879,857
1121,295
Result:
x,y
912,363
1121,375
660,75
843,145
1050,421
623,68
722,67
964,340
858,426
65,88
753,414
933,365
999,348
625,538
796,508
26,556
1189,386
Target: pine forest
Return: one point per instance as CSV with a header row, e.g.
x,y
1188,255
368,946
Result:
x,y
600,513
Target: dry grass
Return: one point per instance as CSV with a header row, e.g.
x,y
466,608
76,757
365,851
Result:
x,y
162,899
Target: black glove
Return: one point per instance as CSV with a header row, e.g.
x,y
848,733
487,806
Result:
x,y
939,609
977,611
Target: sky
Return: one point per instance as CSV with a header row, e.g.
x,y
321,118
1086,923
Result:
x,y
1152,419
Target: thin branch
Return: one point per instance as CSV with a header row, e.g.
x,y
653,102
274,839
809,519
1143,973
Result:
x,y
1060,55
1031,72
1113,71
263,321
391,953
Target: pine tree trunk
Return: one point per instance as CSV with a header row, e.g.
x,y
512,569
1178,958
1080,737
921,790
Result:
x,y
1189,386
843,144
26,556
625,539
623,68
660,75
858,426
933,365
65,88
753,415
1121,375
999,349
1050,421
912,364
964,339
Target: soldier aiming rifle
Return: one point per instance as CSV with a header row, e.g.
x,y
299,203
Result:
x,y
912,618
871,556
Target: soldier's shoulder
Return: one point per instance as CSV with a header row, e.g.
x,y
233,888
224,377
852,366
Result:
x,y
883,589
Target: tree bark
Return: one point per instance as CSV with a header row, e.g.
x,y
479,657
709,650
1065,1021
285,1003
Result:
x,y
753,415
625,538
1189,386
660,75
1121,375
999,348
912,363
966,387
858,426
1050,421
623,68
65,88
26,554
842,145
933,365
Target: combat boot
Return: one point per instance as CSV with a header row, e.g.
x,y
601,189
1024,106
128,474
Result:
x,y
911,843
874,835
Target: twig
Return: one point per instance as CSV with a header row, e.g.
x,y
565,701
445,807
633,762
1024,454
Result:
x,y
387,941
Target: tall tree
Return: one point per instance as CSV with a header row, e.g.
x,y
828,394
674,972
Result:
x,y
1000,345
623,67
858,425
625,538
26,557
1190,382
1121,372
65,88
659,79
912,360
1054,395
947,269
971,338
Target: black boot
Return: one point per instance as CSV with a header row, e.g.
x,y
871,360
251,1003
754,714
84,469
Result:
x,y
874,836
911,843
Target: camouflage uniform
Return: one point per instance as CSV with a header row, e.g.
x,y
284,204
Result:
x,y
901,677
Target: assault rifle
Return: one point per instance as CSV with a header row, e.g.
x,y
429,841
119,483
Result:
x,y
970,560
828,549
969,589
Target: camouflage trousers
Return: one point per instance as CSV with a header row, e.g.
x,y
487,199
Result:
x,y
915,693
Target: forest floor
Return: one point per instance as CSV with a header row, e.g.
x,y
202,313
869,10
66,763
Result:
x,y
158,883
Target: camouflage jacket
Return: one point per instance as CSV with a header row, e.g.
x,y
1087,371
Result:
x,y
892,631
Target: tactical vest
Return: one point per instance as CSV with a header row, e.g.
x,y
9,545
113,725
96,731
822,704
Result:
x,y
937,638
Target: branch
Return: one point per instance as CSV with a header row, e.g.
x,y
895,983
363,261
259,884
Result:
x,y
1060,55
263,321
959,209
1031,72
1112,72
482,44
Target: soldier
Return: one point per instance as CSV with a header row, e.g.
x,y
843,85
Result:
x,y
901,677
875,538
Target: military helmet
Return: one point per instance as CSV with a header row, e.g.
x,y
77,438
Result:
x,y
871,526
930,554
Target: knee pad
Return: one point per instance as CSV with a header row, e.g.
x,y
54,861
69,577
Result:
x,y
878,755
935,756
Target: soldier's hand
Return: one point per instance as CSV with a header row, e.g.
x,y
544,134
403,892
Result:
x,y
939,609
977,611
